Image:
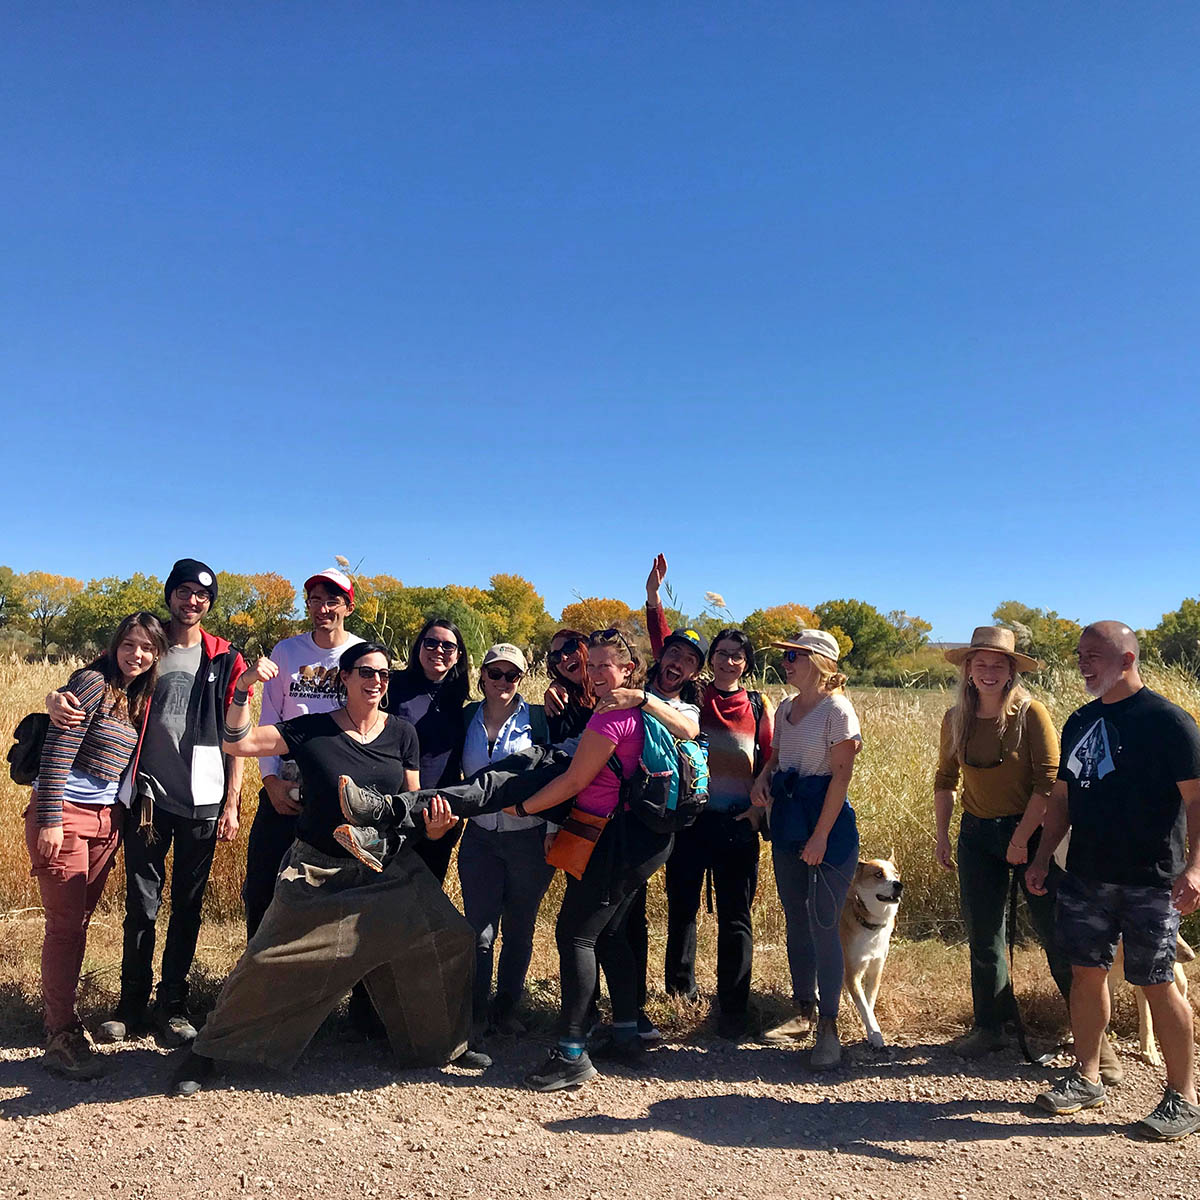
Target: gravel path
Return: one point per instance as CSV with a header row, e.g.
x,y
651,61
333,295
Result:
x,y
701,1119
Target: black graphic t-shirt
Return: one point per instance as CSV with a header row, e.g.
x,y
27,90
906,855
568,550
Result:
x,y
323,751
1122,764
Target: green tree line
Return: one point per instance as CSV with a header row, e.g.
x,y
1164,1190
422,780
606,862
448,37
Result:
x,y
42,614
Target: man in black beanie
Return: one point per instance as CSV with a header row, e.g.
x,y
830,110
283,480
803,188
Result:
x,y
187,793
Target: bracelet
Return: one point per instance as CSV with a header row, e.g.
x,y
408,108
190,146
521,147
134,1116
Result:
x,y
520,808
236,735
240,697
645,697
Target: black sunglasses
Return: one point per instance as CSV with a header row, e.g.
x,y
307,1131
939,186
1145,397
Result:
x,y
600,636
570,646
433,645
792,655
370,673
495,674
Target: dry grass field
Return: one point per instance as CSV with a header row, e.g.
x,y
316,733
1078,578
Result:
x,y
891,792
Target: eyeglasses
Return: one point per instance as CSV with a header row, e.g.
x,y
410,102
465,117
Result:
x,y
315,601
433,645
370,673
792,655
495,674
734,657
185,594
569,647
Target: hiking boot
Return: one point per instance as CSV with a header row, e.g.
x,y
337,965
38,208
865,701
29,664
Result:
x,y
127,1021
361,805
174,1022
628,1050
647,1030
794,1028
827,1050
366,844
474,1060
1071,1094
1174,1118
979,1043
1111,1071
560,1072
70,1052
505,1020
191,1074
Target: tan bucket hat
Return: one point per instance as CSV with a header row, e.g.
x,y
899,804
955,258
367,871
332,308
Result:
x,y
998,639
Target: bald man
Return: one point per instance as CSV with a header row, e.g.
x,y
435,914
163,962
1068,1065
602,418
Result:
x,y
1129,791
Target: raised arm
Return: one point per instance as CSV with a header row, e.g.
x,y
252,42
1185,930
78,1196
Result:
x,y
241,739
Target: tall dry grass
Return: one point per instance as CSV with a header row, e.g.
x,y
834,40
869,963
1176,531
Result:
x,y
891,793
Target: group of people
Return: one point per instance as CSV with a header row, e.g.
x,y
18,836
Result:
x,y
372,772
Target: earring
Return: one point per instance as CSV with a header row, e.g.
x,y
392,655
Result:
x,y
383,702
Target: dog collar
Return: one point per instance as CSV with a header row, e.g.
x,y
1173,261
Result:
x,y
856,913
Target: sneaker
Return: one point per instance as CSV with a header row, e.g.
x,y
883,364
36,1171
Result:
x,y
628,1050
647,1030
172,1020
979,1043
1071,1094
189,1077
794,1028
361,805
1111,1071
1174,1118
366,844
70,1052
560,1072
127,1021
474,1060
827,1050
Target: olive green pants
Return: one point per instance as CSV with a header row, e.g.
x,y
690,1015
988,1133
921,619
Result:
x,y
331,923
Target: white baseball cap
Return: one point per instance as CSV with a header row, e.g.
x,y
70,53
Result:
x,y
815,641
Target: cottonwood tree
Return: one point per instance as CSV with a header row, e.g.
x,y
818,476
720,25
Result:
x,y
46,598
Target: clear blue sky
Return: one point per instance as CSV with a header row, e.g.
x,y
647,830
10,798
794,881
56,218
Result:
x,y
894,301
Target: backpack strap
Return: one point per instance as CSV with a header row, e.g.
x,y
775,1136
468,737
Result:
x,y
469,712
756,707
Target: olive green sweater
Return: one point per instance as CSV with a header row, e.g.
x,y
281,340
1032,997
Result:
x,y
997,780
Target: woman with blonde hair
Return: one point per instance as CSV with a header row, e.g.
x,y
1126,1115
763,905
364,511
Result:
x,y
1000,744
814,834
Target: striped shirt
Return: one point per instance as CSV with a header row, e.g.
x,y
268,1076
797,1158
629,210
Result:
x,y
101,746
728,720
804,747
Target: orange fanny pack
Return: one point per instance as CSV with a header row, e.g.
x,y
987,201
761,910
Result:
x,y
574,842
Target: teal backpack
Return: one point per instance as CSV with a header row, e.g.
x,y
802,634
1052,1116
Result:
x,y
669,788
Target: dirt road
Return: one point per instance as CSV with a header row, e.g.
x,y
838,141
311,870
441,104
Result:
x,y
702,1119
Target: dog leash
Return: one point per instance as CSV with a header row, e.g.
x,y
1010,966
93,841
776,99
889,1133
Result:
x,y
1019,1024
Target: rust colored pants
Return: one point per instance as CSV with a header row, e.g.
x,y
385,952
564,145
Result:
x,y
71,887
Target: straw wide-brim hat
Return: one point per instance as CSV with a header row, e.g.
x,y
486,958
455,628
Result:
x,y
997,639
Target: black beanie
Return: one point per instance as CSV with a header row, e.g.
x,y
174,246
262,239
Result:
x,y
191,570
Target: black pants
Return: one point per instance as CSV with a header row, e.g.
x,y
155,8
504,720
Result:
x,y
983,877
145,863
729,847
591,928
271,837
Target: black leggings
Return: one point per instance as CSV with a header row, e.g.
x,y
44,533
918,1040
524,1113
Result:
x,y
591,927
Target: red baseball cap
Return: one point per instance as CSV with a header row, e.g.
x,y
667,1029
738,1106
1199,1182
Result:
x,y
334,576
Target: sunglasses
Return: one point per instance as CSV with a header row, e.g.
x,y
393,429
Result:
x,y
569,647
433,645
792,655
495,675
370,673
600,636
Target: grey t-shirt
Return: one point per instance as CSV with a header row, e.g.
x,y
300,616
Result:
x,y
167,771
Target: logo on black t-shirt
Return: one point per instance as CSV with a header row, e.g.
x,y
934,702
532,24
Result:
x,y
1092,757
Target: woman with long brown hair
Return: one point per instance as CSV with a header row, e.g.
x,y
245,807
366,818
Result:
x,y
74,820
1001,745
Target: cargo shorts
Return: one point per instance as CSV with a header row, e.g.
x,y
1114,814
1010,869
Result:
x,y
1090,918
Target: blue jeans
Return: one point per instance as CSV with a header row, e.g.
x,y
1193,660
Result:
x,y
812,899
504,877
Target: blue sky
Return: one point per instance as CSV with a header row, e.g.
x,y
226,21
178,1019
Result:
x,y
893,301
